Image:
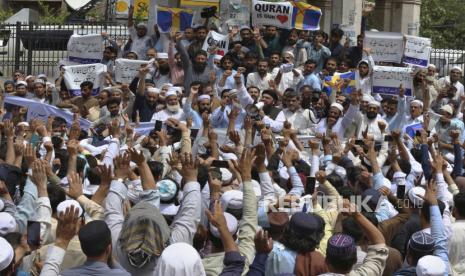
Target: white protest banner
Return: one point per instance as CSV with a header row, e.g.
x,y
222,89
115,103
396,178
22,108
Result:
x,y
41,111
387,80
76,74
235,12
85,49
126,69
219,40
277,14
385,46
417,50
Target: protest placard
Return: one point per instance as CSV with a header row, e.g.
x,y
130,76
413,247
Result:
x,y
85,49
385,46
216,39
277,14
417,50
126,69
76,74
235,12
387,80
350,34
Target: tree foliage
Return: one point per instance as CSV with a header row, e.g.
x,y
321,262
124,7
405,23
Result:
x,y
444,22
50,16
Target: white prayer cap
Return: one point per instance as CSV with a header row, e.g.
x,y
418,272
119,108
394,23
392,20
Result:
x,y
430,265
245,27
26,124
6,254
203,97
420,103
162,55
141,25
177,89
169,209
228,156
171,93
167,85
413,196
232,92
367,98
21,83
232,199
338,106
167,189
431,65
231,222
179,259
41,76
218,57
29,77
375,103
41,81
289,53
2,205
447,108
7,223
153,90
457,68
226,175
61,208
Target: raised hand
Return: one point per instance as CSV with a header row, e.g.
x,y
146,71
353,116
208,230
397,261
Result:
x,y
75,185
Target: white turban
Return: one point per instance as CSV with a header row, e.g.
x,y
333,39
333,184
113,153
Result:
x,y
338,106
203,97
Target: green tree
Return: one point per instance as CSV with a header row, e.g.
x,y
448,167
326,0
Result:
x,y
444,22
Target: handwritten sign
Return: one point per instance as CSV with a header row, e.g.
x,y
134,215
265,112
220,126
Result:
x,y
385,46
126,69
76,74
417,50
216,39
387,80
350,34
85,49
277,14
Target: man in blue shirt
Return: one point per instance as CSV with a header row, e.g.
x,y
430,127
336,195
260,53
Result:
x,y
310,78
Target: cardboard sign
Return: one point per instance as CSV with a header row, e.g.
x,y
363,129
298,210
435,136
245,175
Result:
x,y
385,46
235,12
221,41
76,74
417,50
85,49
387,79
127,69
277,14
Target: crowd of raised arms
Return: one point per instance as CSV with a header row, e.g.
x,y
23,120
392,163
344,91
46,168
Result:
x,y
252,165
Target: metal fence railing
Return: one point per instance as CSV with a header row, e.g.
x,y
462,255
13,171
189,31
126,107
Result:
x,y
39,48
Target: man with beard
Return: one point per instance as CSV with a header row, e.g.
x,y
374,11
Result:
x,y
196,45
141,39
415,117
335,42
188,37
197,70
454,80
446,124
300,54
355,53
337,122
172,109
273,41
298,117
270,114
247,39
309,76
162,71
225,74
331,66
370,122
203,106
254,93
145,104
174,62
39,91
275,61
229,104
113,106
261,78
287,79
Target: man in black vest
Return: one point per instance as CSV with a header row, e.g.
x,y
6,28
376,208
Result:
x,y
271,115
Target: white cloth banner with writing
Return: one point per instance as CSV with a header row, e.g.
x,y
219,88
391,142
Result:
x,y
127,69
385,46
387,80
85,49
76,74
277,14
221,41
41,111
417,50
